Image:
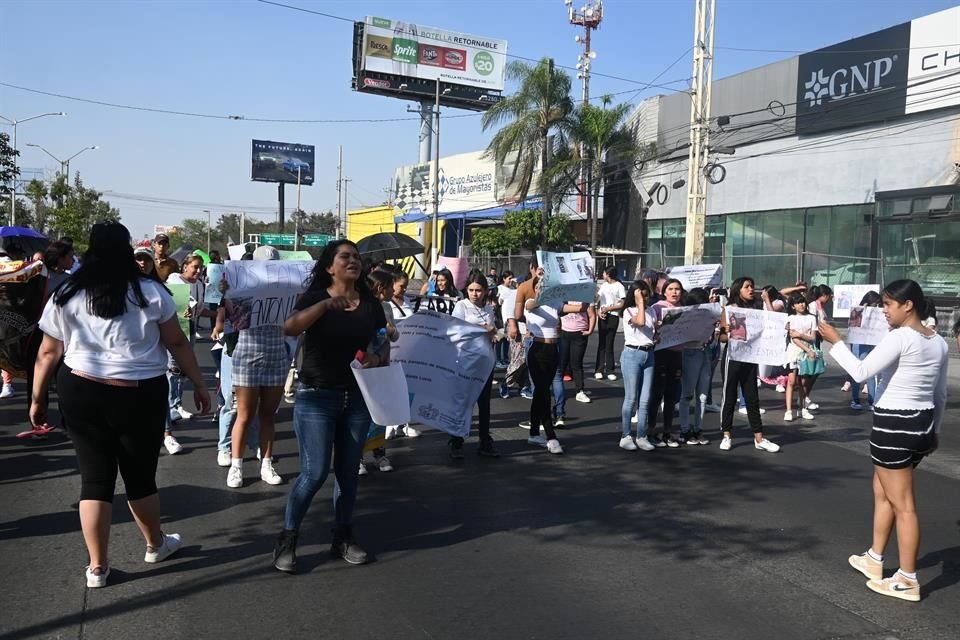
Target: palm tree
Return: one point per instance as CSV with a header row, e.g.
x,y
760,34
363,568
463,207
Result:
x,y
540,104
599,137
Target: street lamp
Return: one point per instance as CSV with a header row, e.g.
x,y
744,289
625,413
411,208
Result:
x,y
13,186
64,164
207,211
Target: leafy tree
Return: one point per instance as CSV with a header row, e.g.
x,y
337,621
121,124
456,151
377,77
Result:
x,y
558,235
494,242
540,104
37,192
226,230
522,230
8,172
81,209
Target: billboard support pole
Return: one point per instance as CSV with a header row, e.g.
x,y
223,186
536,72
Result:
x,y
280,219
339,180
426,154
436,179
296,217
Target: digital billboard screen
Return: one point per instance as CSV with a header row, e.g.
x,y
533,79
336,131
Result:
x,y
282,162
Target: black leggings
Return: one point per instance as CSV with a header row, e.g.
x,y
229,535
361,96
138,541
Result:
x,y
573,344
607,334
114,427
742,375
667,383
542,361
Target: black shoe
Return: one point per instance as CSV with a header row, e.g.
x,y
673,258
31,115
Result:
x,y
487,450
456,449
344,547
285,553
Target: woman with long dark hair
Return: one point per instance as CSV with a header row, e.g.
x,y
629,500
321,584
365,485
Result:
x,y
610,297
667,373
907,417
337,316
636,365
740,374
113,328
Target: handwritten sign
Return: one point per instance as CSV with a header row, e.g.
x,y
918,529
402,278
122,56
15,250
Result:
x,y
263,293
848,296
692,276
446,362
687,325
567,277
866,325
756,336
212,293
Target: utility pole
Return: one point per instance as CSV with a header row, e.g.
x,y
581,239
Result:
x,y
435,179
700,90
589,17
207,211
346,208
296,215
339,180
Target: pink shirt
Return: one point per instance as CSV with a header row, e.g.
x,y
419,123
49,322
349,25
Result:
x,y
575,321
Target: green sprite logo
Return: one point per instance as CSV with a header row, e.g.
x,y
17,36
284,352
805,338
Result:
x,y
483,63
382,22
405,50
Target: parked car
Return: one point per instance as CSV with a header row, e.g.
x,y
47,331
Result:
x,y
939,276
293,164
850,273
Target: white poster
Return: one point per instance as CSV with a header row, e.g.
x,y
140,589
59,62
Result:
x,y
756,336
866,325
467,182
211,294
567,277
934,61
236,251
683,325
706,276
847,296
446,362
263,292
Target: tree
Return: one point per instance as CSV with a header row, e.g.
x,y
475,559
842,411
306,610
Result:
x,y
522,230
540,104
37,192
81,209
8,172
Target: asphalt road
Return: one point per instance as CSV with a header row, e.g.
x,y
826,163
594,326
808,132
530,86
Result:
x,y
597,543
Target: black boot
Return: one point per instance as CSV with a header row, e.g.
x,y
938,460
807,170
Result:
x,y
344,547
285,553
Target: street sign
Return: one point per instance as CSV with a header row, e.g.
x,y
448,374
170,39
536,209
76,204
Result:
x,y
278,239
316,239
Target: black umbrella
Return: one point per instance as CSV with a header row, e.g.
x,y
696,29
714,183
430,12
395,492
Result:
x,y
389,246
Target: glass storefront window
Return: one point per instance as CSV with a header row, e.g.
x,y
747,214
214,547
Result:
x,y
928,252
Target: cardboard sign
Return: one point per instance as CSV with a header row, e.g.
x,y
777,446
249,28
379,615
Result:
x,y
567,277
459,267
687,325
848,296
706,276
866,325
756,336
446,362
263,293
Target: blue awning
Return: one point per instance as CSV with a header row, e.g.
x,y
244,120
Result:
x,y
417,215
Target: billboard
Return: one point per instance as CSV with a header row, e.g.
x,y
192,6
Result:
x,y
281,162
933,74
402,59
467,183
854,82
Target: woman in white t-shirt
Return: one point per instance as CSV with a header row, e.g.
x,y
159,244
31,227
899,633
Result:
x,y
609,304
113,327
636,365
908,413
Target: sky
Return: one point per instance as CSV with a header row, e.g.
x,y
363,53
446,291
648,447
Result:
x,y
243,57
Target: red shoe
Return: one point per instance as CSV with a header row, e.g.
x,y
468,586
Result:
x,y
567,377
36,432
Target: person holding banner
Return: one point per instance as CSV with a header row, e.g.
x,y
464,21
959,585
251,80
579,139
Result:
x,y
610,298
740,375
696,372
476,311
338,316
907,418
667,373
112,327
870,299
637,365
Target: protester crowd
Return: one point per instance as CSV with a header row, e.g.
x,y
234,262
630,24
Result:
x,y
110,339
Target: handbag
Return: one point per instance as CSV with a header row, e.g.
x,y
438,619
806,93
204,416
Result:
x,y
807,366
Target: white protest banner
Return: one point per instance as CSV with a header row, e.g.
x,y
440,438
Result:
x,y
381,387
212,293
756,336
567,277
263,292
691,276
866,325
848,296
682,325
446,362
236,251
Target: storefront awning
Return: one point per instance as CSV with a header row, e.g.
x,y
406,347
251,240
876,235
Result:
x,y
417,215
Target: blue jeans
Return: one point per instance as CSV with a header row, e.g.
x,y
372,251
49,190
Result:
x,y
175,391
861,351
228,411
503,351
636,367
324,419
697,369
559,393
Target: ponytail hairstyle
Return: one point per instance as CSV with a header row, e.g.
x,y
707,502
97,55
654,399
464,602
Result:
x,y
816,291
637,285
378,279
871,299
903,291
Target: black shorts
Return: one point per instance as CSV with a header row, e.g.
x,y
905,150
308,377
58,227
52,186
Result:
x,y
901,438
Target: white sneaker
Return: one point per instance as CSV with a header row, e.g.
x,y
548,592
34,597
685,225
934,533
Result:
x,y
384,464
171,543
762,411
235,477
173,447
268,474
582,397
223,457
806,415
184,414
726,444
559,422
627,444
390,432
598,376
553,446
611,376
633,419
410,432
781,388
537,440
363,469
743,411
644,445
525,424
766,445
809,404
788,416
95,581
759,383
8,392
